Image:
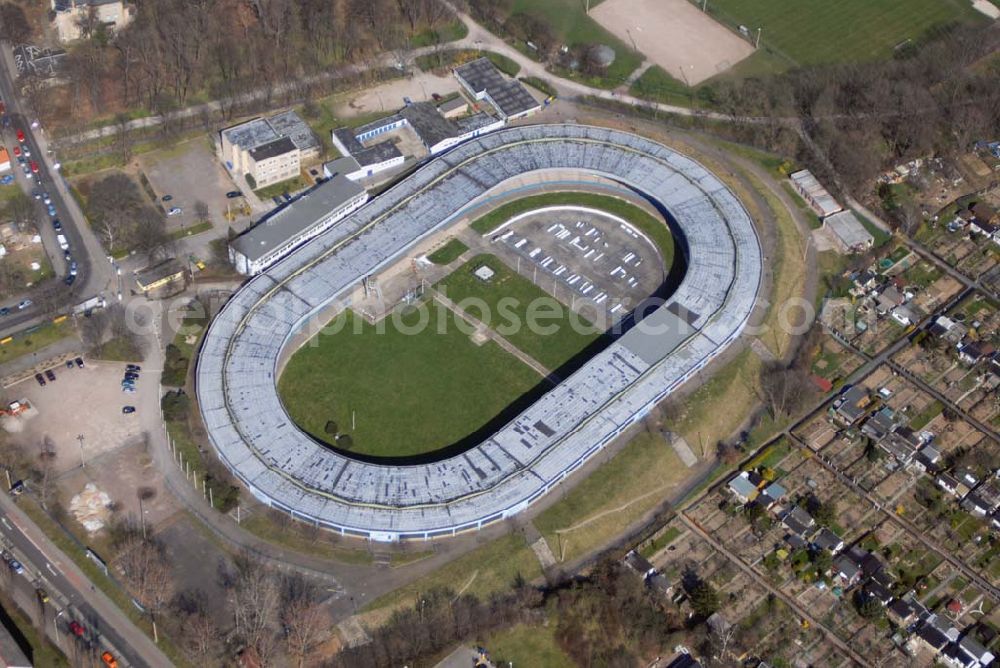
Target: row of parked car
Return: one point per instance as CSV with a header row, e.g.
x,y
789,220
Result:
x,y
129,381
51,374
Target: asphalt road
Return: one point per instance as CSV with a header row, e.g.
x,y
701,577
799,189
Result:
x,y
106,626
93,272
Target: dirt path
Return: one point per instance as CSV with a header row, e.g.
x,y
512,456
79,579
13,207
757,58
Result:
x,y
612,511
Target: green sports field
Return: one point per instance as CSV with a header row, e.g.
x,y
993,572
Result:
x,y
809,32
552,348
411,393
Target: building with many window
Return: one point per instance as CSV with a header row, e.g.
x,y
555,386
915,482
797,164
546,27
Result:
x,y
269,150
289,227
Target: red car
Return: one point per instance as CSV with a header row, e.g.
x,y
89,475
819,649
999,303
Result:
x,y
34,166
17,151
20,136
76,629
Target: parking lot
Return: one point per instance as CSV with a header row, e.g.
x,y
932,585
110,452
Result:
x,y
190,172
590,256
83,402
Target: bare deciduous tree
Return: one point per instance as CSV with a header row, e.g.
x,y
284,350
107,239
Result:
x,y
304,620
256,598
781,389
143,564
201,211
46,467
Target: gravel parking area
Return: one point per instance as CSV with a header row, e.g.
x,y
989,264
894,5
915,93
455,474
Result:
x,y
190,172
83,402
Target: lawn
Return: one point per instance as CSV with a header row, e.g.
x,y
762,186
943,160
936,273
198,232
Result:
x,y
450,32
541,85
491,303
788,264
921,419
523,645
615,495
881,236
289,186
819,31
449,252
660,542
295,536
32,340
485,570
657,85
643,221
397,392
119,349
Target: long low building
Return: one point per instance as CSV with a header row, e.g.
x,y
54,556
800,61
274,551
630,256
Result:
x,y
436,132
286,469
287,228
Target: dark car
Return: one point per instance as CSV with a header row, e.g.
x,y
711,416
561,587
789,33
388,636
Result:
x,y
56,225
277,200
288,198
41,381
133,367
79,362
233,194
4,311
69,279
49,374
69,364
128,410
132,377
167,198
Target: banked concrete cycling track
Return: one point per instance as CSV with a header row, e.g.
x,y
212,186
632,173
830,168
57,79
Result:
x,y
283,467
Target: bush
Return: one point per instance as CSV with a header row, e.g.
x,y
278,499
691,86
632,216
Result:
x,y
175,406
345,442
331,427
175,367
251,181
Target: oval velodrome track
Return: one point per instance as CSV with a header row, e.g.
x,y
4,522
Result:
x,y
285,468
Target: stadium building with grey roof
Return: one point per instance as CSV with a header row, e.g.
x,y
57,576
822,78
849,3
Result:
x,y
282,466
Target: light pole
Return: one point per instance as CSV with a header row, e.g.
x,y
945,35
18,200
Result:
x,y
83,461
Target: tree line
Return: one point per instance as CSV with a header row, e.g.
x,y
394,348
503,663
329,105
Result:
x,y
174,51
935,98
607,618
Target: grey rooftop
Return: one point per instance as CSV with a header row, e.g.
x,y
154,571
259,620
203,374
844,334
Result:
x,y
522,461
288,222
